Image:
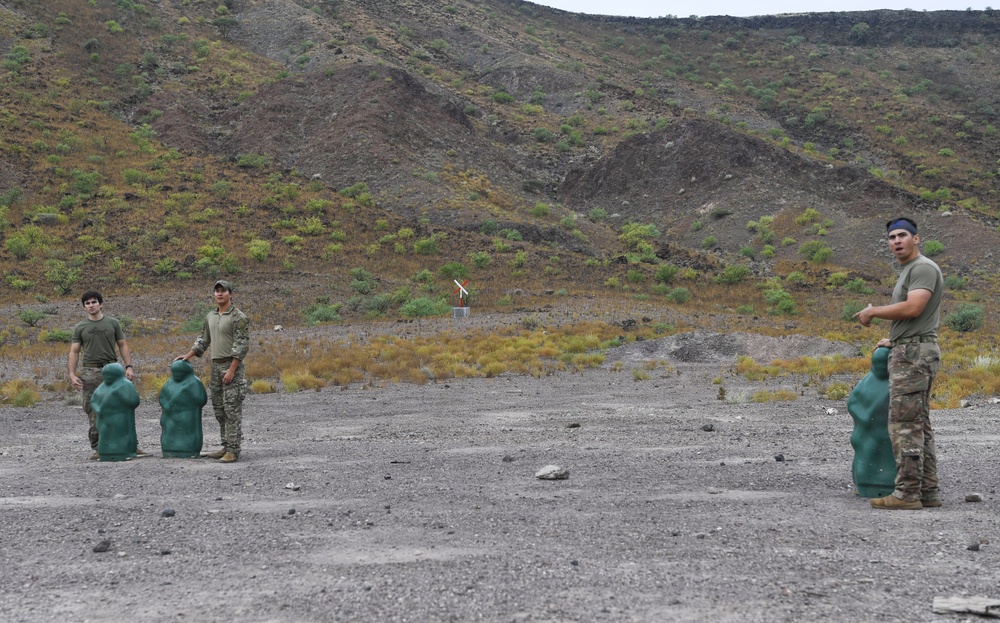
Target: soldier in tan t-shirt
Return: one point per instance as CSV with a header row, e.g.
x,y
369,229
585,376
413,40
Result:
x,y
915,313
96,339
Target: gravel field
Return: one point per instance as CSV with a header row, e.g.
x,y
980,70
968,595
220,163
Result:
x,y
420,503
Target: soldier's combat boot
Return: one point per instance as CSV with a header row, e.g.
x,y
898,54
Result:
x,y
891,502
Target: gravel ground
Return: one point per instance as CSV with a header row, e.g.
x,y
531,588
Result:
x,y
419,503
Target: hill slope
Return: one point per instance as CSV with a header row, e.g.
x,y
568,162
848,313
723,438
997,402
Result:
x,y
152,145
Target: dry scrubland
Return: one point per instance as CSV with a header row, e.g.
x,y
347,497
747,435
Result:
x,y
562,338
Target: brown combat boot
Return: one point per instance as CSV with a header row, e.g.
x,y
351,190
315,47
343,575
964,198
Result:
x,y
229,457
218,454
96,456
891,502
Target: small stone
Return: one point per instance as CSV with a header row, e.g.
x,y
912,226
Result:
x,y
168,512
103,546
779,458
292,486
291,511
573,425
973,547
832,411
164,552
552,472
508,459
708,428
974,497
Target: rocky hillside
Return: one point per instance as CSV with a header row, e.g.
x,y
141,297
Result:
x,y
157,143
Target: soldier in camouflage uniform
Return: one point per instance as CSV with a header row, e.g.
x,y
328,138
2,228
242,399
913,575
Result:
x,y
915,313
96,339
226,336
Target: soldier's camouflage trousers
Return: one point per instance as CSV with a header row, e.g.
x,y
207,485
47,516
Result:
x,y
92,379
227,402
912,368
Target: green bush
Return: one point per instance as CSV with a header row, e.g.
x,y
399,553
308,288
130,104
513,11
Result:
x,y
597,214
425,246
258,249
64,336
354,190
16,59
424,307
837,279
541,209
634,233
30,317
252,161
954,282
480,259
809,216
19,245
454,270
932,248
679,295
19,283
665,273
734,273
61,275
858,286
543,135
816,251
850,308
967,317
318,313
362,286
781,301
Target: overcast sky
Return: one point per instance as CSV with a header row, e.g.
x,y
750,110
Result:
x,y
702,8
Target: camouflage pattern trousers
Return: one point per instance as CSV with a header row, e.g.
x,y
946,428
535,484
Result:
x,y
227,402
91,379
912,368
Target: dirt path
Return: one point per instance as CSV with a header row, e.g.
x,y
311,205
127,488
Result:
x,y
419,503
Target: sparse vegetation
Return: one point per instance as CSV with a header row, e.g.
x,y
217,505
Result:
x,y
104,190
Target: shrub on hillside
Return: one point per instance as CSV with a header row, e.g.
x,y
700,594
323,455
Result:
x,y
967,317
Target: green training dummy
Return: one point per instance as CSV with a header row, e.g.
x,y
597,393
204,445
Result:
x,y
874,468
182,399
114,401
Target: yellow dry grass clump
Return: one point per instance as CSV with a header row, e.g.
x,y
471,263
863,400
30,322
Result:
x,y
20,393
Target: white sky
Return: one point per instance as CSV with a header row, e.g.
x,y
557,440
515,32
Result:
x,y
703,8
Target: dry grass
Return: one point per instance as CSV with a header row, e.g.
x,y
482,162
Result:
x,y
969,366
19,393
776,395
